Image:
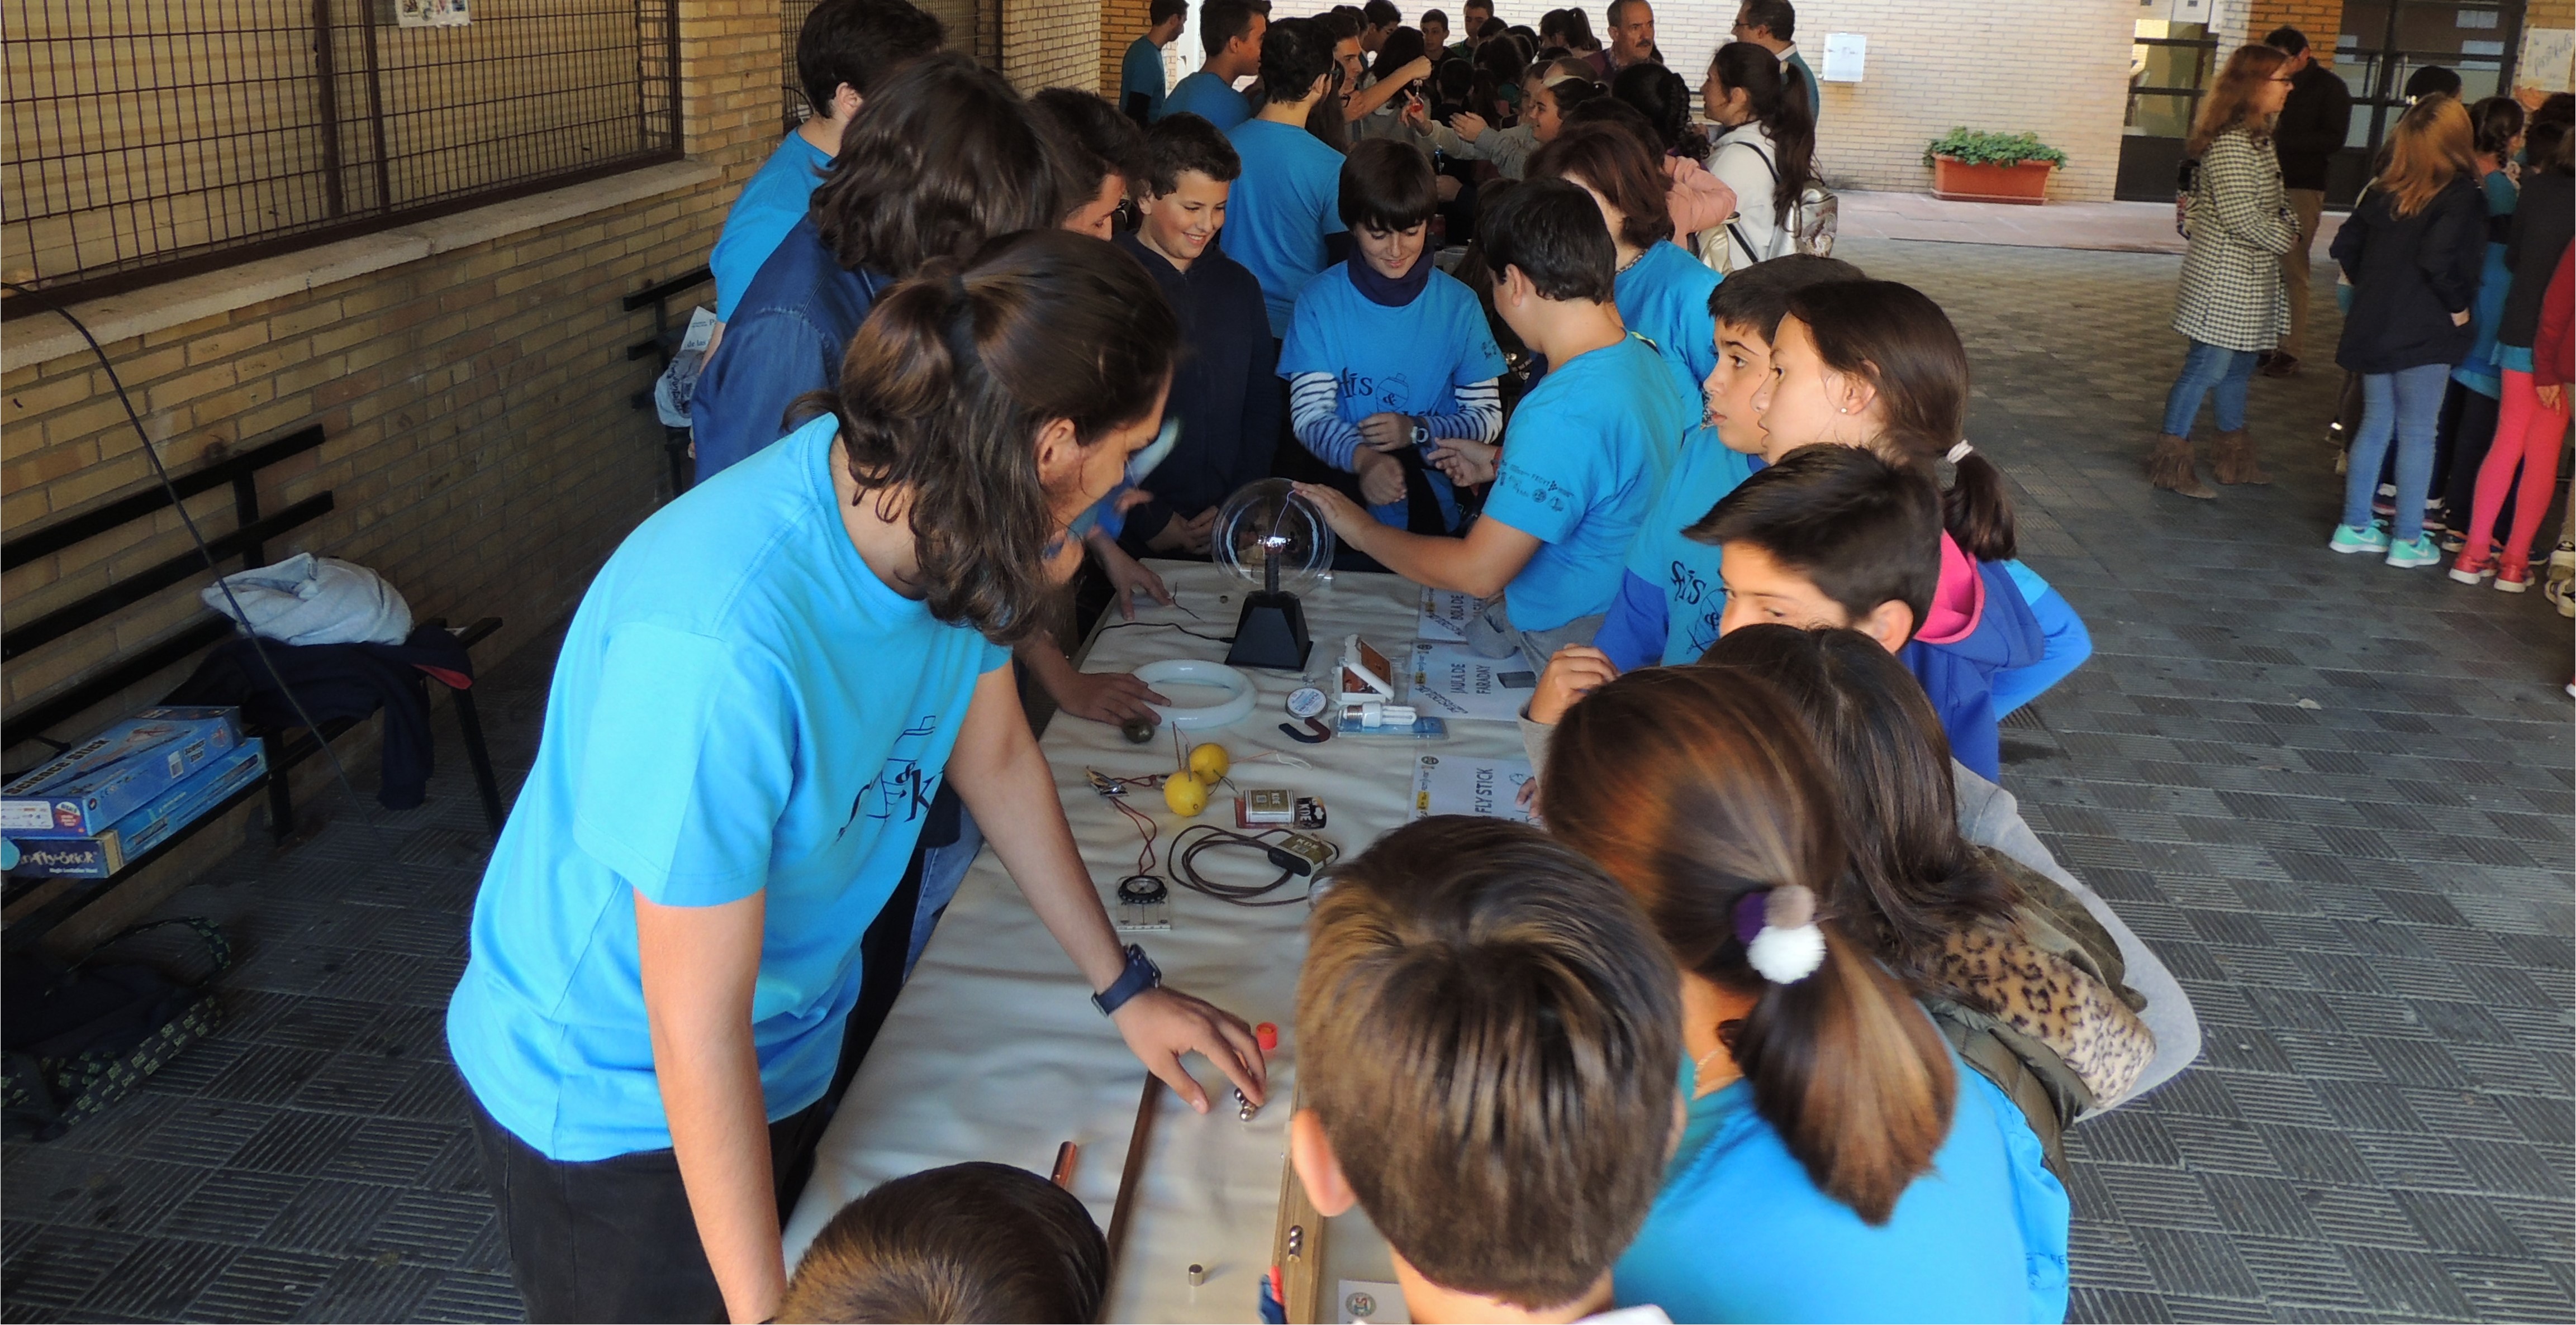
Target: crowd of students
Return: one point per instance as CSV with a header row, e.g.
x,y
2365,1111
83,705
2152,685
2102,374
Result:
x,y
2454,273
1783,1016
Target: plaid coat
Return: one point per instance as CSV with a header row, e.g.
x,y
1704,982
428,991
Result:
x,y
2240,224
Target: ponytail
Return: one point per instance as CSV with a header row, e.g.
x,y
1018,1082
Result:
x,y
1698,790
1900,340
1854,1076
1776,93
945,388
1977,510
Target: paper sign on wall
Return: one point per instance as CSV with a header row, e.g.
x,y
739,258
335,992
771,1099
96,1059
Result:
x,y
1844,55
433,13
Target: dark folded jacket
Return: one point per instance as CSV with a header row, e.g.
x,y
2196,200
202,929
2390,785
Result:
x,y
341,681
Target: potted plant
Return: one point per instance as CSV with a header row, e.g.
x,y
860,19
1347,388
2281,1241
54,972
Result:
x,y
1971,165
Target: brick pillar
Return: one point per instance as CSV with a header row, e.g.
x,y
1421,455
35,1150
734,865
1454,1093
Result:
x,y
1121,23
2320,19
730,71
1052,43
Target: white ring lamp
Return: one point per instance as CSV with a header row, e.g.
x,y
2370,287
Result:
x,y
1195,672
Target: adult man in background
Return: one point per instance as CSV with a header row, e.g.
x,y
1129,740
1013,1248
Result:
x,y
1632,36
1773,26
1230,31
1140,75
2310,130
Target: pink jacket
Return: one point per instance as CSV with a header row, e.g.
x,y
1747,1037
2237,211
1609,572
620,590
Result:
x,y
1696,198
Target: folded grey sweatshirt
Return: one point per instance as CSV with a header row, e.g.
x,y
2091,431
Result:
x,y
1990,816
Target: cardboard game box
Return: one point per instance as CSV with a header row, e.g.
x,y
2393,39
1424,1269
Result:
x,y
98,855
91,787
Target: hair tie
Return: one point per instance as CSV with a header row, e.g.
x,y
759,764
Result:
x,y
957,287
1777,927
1959,452
960,329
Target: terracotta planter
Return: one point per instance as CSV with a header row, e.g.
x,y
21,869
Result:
x,y
2021,182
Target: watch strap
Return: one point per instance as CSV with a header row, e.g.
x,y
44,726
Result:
x,y
1141,974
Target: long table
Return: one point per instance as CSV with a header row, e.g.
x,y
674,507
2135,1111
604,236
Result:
x,y
994,1051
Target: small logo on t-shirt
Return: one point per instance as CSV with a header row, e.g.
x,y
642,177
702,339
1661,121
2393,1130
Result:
x,y
1539,489
903,789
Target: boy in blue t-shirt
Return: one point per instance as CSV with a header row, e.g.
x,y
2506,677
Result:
x,y
1491,1061
1671,597
843,54
1391,367
1140,75
1583,456
1233,36
1287,201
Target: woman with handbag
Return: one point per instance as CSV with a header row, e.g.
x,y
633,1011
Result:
x,y
2230,303
1766,152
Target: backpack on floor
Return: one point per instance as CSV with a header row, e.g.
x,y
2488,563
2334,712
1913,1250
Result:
x,y
78,1037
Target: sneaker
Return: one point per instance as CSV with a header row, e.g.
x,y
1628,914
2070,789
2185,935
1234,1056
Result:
x,y
2473,570
2452,540
2563,556
2416,551
2384,503
2358,538
2561,595
2513,575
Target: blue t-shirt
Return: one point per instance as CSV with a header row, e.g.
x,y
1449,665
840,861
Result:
x,y
1141,74
1210,98
1663,296
772,202
1281,207
741,706
1401,360
1582,460
1683,570
1740,1232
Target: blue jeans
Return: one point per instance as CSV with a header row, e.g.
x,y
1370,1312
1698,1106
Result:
x,y
2407,403
943,869
2206,367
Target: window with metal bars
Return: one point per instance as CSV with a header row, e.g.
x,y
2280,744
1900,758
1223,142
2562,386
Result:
x,y
150,139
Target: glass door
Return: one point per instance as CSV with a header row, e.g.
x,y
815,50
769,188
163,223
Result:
x,y
2171,65
2382,43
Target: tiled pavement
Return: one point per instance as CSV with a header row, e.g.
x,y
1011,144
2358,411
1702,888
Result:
x,y
2334,796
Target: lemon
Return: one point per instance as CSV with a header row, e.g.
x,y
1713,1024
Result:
x,y
1185,794
1208,763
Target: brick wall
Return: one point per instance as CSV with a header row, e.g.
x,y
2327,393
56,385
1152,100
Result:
x,y
2059,67
1121,23
481,449
1053,43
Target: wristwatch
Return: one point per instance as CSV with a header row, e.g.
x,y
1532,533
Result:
x,y
1421,432
1141,974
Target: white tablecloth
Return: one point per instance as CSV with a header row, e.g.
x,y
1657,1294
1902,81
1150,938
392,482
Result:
x,y
994,1051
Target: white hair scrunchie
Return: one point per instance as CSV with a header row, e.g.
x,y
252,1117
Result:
x,y
1778,929
1959,452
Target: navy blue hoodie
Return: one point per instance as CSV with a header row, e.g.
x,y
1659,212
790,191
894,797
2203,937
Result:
x,y
1959,675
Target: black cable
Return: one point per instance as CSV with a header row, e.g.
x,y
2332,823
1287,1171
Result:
x,y
205,553
1182,860
1167,625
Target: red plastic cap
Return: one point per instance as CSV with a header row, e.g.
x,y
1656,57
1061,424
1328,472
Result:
x,y
1266,1035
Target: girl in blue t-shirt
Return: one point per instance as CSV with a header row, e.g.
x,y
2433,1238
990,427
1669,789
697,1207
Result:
x,y
1391,367
1662,291
1838,1162
754,707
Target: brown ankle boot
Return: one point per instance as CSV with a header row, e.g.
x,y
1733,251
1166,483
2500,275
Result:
x,y
2233,459
2170,468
